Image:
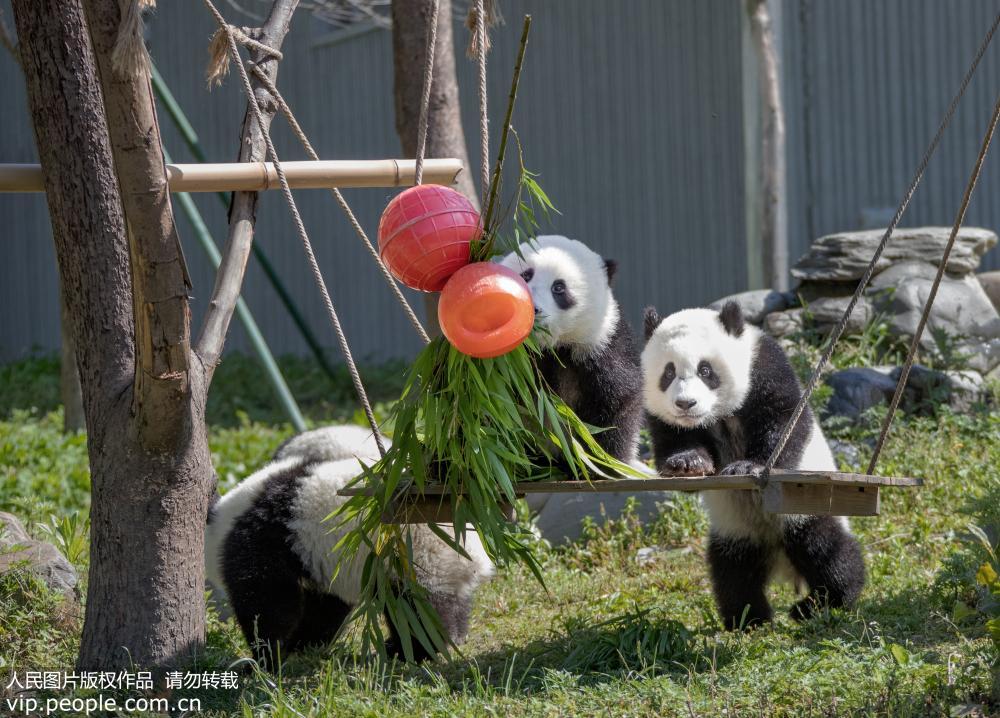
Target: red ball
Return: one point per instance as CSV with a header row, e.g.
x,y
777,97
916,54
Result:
x,y
486,310
425,235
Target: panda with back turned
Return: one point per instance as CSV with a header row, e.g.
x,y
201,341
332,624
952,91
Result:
x,y
271,552
591,361
719,393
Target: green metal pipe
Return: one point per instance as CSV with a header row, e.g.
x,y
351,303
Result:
x,y
180,120
281,389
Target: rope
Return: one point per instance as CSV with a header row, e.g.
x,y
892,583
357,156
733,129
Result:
x,y
425,97
915,343
863,283
300,228
484,121
218,51
358,229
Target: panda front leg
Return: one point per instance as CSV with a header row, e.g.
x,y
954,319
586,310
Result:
x,y
826,555
740,568
268,609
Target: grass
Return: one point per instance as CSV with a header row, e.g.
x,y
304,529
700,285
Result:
x,y
611,636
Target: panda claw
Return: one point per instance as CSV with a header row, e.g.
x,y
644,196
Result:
x,y
741,468
688,463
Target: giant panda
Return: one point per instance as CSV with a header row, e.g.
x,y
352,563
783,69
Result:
x,y
719,393
591,360
269,550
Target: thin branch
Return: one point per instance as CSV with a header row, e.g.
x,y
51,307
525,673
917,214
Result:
x,y
243,211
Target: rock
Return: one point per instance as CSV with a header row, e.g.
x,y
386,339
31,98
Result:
x,y
981,355
782,324
990,282
959,389
827,312
961,308
646,555
756,304
845,452
43,559
845,256
858,389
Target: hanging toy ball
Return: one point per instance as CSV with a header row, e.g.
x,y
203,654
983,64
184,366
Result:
x,y
425,235
486,310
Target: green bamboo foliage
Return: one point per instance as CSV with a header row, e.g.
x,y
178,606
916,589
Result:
x,y
477,427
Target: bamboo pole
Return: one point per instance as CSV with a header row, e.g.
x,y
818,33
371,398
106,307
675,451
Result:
x,y
258,176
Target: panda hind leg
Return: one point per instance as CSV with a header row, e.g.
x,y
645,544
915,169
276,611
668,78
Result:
x,y
740,569
453,612
829,559
322,616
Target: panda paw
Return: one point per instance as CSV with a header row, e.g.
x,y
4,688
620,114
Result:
x,y
740,468
692,462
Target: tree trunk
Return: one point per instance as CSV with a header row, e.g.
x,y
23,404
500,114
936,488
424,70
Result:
x,y
772,172
445,136
69,377
150,465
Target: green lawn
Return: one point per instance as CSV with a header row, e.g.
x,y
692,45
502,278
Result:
x,y
609,636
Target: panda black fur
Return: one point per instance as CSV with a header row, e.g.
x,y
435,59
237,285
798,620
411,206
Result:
x,y
593,362
719,393
270,552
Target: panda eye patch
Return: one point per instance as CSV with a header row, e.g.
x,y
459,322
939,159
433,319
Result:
x,y
527,274
707,374
668,376
559,287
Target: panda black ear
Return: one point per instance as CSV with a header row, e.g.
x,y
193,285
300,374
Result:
x,y
650,321
731,317
611,267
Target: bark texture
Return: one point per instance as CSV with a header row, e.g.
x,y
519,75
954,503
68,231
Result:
x,y
445,136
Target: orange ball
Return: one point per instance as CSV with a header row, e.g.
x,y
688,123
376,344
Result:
x,y
486,310
425,235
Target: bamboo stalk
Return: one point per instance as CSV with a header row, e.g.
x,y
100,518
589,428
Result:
x,y
505,133
258,176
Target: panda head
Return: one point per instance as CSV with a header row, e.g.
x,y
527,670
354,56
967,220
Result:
x,y
571,288
696,364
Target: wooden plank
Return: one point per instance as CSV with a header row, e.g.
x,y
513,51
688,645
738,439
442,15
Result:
x,y
821,500
695,483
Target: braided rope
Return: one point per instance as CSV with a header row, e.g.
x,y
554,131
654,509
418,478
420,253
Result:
x,y
358,229
484,120
915,343
300,228
863,283
425,97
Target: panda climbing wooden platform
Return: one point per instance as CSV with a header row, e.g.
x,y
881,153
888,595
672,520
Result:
x,y
821,493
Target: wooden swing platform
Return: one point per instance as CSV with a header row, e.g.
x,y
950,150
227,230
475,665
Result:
x,y
820,493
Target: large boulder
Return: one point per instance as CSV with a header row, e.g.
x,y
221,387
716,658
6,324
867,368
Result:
x,y
17,549
844,257
857,390
961,308
990,282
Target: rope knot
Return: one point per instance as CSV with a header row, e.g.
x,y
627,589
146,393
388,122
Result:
x,y
219,50
493,18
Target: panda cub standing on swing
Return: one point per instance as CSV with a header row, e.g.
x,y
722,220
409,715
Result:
x,y
719,393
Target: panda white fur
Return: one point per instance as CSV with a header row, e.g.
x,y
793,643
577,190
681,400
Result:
x,y
592,362
270,551
718,393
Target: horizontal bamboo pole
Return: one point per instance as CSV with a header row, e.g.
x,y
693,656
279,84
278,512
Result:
x,y
258,176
